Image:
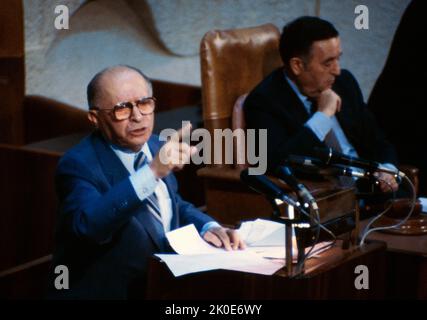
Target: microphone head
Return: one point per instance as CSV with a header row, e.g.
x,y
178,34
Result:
x,y
283,170
331,156
325,154
261,184
293,160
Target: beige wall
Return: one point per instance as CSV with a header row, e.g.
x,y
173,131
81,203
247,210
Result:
x,y
162,37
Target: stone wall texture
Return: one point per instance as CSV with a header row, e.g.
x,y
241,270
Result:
x,y
162,37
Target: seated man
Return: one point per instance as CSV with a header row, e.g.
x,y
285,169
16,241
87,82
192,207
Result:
x,y
118,196
311,102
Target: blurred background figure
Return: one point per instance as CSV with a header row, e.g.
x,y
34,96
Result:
x,y
398,97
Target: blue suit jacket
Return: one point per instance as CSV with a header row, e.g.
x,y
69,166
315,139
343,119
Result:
x,y
105,233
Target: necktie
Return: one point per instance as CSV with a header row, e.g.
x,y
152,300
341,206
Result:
x,y
331,139
313,107
152,201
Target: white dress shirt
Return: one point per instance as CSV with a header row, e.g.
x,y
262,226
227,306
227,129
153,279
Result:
x,y
145,183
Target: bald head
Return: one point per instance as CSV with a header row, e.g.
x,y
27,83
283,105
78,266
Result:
x,y
114,86
96,87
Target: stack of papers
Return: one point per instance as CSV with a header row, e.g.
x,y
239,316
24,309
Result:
x,y
265,252
423,204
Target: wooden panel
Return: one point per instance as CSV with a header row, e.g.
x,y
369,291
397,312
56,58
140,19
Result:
x,y
172,95
329,277
27,281
46,118
11,94
406,263
12,71
28,204
11,29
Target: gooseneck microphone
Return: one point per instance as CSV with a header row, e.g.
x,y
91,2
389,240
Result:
x,y
331,157
304,161
316,166
263,185
285,174
337,171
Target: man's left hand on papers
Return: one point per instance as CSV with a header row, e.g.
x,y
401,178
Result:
x,y
224,237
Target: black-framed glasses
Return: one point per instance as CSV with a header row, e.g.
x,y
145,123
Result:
x,y
123,110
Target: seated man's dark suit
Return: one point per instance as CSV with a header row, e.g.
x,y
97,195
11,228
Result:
x,y
274,105
105,233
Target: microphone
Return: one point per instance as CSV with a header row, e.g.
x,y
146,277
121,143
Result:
x,y
317,166
263,185
343,171
331,157
284,173
303,161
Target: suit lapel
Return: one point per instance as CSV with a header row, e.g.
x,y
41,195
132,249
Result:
x,y
115,172
153,227
111,165
290,103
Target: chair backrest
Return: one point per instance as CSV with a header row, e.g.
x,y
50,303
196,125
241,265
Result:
x,y
238,122
233,62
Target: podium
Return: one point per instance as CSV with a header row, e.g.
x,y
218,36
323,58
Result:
x,y
329,276
406,264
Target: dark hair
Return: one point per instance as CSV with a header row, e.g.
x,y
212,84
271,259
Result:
x,y
298,36
93,86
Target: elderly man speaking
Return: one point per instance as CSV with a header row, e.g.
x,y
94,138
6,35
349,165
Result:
x,y
118,196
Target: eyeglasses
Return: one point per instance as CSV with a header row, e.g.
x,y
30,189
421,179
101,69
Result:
x,y
123,110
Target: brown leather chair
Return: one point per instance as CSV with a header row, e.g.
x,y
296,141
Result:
x,y
238,122
233,62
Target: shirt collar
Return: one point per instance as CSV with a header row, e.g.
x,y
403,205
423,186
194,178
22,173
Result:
x,y
303,98
127,156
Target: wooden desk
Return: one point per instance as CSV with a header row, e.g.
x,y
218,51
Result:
x,y
331,276
406,264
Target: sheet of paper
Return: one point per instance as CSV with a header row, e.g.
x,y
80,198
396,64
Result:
x,y
265,252
187,241
236,260
262,233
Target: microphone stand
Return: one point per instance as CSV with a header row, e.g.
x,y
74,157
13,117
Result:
x,y
289,222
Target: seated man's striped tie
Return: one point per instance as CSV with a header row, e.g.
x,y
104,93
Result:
x,y
152,201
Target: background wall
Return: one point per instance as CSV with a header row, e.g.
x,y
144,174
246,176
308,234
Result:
x,y
162,37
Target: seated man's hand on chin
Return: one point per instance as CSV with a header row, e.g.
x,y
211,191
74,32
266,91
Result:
x,y
224,237
387,181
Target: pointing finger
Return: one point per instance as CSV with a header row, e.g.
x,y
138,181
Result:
x,y
181,133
